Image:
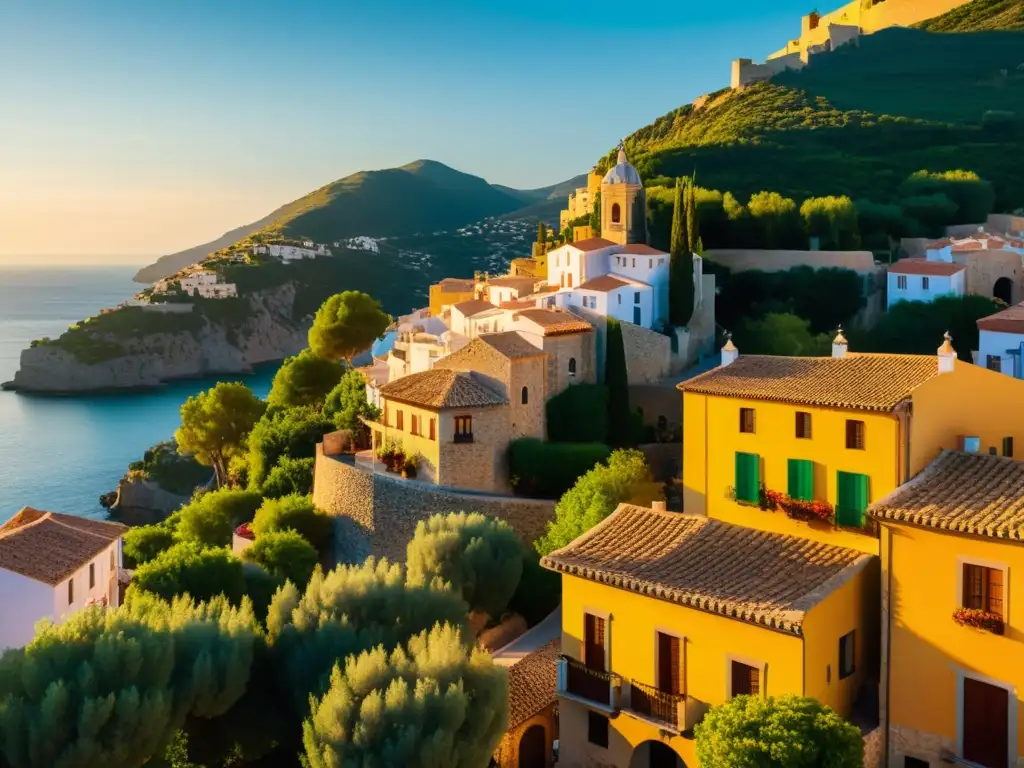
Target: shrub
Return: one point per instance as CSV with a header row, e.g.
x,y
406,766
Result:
x,y
304,379
286,555
295,513
188,569
289,476
347,402
144,542
579,414
547,470
209,520
291,432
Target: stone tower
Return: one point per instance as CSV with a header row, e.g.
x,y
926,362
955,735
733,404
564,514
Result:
x,y
623,204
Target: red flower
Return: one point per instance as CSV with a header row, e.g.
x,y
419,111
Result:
x,y
245,531
979,619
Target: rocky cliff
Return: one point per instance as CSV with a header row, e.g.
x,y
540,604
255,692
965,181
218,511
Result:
x,y
84,360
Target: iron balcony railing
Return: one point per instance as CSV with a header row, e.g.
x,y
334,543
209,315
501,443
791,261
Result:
x,y
652,704
593,686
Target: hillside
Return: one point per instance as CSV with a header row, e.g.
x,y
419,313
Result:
x,y
856,121
979,16
423,196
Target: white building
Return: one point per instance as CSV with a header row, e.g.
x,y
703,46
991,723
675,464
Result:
x,y
288,253
192,281
52,565
468,318
924,280
1001,341
943,250
502,289
217,291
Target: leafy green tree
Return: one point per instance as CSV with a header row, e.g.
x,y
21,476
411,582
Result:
x,y
289,476
681,299
578,414
286,555
144,542
305,379
291,432
622,427
879,223
346,325
215,423
780,334
432,702
209,520
932,212
777,219
480,557
347,402
594,497
972,196
787,732
833,220
293,513
189,569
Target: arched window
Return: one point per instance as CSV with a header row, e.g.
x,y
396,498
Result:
x,y
572,366
616,214
526,396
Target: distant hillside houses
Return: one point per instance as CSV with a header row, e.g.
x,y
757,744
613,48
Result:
x,y
292,251
203,283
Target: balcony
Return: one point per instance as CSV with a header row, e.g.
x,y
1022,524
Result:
x,y
463,437
596,689
666,710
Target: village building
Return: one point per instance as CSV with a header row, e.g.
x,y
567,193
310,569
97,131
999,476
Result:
x,y
532,711
451,291
581,202
288,252
923,280
52,565
1001,341
992,267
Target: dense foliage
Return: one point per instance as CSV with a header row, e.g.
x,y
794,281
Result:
x,y
209,519
347,402
779,334
293,513
681,298
304,379
785,732
189,569
347,325
143,543
547,470
578,414
283,432
979,15
285,555
215,423
289,476
175,473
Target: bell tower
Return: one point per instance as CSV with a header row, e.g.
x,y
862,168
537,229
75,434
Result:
x,y
623,203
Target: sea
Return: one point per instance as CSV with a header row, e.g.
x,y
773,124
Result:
x,y
61,453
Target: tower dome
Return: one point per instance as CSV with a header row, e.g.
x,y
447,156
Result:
x,y
623,172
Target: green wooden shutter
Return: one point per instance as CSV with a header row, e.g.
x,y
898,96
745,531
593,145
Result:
x,y
801,479
748,477
852,495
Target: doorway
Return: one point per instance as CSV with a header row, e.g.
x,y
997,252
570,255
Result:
x,y
533,748
1003,290
986,724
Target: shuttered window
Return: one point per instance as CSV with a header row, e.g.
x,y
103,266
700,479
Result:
x,y
983,588
748,477
433,434
746,680
670,676
847,654
803,425
398,420
415,424
594,641
801,479
1008,446
855,434
852,493
747,423
597,729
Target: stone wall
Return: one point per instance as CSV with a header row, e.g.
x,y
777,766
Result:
x,y
910,742
377,513
648,354
581,347
745,259
507,753
745,71
657,400
874,748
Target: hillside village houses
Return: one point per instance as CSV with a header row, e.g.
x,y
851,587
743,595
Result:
x,y
199,282
52,565
288,252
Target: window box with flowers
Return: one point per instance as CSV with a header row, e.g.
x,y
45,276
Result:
x,y
979,619
808,510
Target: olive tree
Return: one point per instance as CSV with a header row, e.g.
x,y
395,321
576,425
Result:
x,y
347,324
215,423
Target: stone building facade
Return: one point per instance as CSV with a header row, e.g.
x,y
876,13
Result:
x,y
532,711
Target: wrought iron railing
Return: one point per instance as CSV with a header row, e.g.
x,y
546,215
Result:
x,y
593,685
669,708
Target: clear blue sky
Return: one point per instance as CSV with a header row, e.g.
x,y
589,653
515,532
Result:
x,y
137,127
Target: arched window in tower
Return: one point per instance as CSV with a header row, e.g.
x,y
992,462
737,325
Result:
x,y
526,396
616,214
572,366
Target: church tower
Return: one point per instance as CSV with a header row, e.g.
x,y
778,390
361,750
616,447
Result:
x,y
623,204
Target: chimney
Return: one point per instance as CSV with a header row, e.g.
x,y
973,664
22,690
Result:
x,y
658,506
947,355
839,344
729,351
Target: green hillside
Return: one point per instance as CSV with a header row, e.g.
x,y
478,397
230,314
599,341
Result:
x,y
979,16
856,122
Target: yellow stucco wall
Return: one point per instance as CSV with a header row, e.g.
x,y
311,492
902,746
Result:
x,y
709,465
427,449
439,299
929,652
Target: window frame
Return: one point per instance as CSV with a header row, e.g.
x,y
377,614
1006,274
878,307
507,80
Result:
x,y
92,575
803,419
802,471
1007,448
606,618
840,507
71,591
433,428
756,664
744,413
680,638
525,396
994,363
463,426
849,669
740,492
399,420
602,733
963,562
901,282
857,441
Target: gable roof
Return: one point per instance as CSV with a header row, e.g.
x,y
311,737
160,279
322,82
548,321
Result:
x,y
441,388
532,683
49,546
753,576
592,244
868,382
510,344
964,492
925,267
518,283
456,284
473,307
555,322
1009,320
603,284
641,249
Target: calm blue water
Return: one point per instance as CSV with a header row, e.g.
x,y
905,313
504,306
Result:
x,y
61,453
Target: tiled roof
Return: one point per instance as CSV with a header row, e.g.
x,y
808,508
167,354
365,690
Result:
x,y
968,245
532,684
1010,320
456,285
519,283
440,388
603,284
473,307
49,547
924,267
742,573
640,249
555,322
859,381
592,244
963,492
510,344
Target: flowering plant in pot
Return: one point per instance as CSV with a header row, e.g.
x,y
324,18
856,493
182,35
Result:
x,y
800,509
245,531
979,619
410,465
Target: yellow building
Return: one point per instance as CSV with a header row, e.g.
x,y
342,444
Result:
x,y
764,438
451,290
666,614
953,539
581,202
623,204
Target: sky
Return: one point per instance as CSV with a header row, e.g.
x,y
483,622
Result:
x,y
134,128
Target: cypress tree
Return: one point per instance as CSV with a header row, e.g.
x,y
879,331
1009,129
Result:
x,y
620,418
680,288
542,233
692,235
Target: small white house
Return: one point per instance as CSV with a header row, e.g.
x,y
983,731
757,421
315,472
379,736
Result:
x,y
52,565
465,312
924,280
218,291
193,281
502,289
1001,341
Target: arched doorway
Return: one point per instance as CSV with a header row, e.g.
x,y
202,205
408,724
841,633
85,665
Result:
x,y
1003,290
533,748
655,754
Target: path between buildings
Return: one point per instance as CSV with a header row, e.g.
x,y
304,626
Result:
x,y
543,633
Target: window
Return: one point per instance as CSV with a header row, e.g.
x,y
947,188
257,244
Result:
x,y
994,363
914,762
855,434
463,429
572,366
620,298
634,261
616,214
803,425
650,263
416,424
847,654
568,280
660,262
985,724
526,396
852,501
1008,446
746,680
597,729
113,560
670,676
747,420
983,588
901,282
92,575
594,642
924,283
398,419
801,479
71,590
636,297
433,433
748,477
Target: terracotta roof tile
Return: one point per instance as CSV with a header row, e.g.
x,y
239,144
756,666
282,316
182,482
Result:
x,y
519,283
640,249
473,307
603,284
49,546
555,322
859,381
739,572
968,245
440,388
592,244
924,267
1009,320
964,492
510,344
532,684
456,285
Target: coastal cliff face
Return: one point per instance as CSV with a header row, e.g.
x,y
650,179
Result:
x,y
213,347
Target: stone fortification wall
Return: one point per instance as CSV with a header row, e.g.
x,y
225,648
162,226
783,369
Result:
x,y
648,354
745,259
376,514
745,71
